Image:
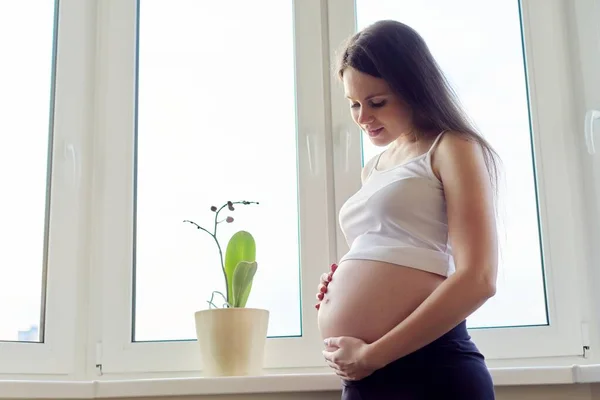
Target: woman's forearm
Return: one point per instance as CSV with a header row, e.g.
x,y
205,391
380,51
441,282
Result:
x,y
453,301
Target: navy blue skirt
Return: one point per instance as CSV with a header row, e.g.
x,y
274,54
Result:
x,y
449,368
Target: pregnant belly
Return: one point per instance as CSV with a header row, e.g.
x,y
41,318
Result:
x,y
366,299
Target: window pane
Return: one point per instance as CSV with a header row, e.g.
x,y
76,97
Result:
x,y
26,40
216,122
479,47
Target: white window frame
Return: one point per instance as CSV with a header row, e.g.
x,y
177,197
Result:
x,y
67,212
584,17
113,191
554,127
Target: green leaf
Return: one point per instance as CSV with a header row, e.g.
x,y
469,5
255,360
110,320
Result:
x,y
241,247
242,282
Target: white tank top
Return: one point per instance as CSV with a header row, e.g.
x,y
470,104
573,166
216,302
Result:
x,y
399,216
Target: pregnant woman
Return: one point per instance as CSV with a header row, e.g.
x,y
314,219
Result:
x,y
421,232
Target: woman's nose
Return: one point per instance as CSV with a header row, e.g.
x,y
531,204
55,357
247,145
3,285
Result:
x,y
364,116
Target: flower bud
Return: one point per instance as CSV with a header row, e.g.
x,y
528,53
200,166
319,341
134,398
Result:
x,y
230,206
229,219
213,208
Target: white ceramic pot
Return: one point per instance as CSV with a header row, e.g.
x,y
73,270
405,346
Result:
x,y
232,340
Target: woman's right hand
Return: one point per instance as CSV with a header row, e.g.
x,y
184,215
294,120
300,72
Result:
x,y
322,289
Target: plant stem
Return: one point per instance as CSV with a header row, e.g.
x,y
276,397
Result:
x,y
214,236
199,227
221,253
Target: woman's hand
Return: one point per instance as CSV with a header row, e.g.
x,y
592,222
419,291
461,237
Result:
x,y
349,358
322,289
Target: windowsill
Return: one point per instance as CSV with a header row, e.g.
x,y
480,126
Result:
x,y
173,387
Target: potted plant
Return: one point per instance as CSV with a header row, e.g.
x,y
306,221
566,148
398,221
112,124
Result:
x,y
232,337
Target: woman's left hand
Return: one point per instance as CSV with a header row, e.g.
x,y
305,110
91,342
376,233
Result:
x,y
348,357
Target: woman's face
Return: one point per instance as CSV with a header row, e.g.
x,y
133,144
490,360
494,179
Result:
x,y
375,108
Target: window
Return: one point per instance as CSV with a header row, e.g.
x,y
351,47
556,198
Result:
x,y
200,119
490,64
213,128
41,164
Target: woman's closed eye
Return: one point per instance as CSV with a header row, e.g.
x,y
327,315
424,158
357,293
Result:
x,y
373,104
377,104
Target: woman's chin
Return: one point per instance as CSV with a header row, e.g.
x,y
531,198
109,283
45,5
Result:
x,y
380,140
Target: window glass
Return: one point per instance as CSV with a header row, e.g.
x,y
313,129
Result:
x,y
216,123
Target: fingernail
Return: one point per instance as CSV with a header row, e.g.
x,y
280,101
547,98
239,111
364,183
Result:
x,y
317,306
333,267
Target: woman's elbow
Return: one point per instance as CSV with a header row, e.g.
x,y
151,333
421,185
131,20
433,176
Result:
x,y
487,283
489,289
481,282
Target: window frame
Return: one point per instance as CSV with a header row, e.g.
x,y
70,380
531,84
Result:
x,y
563,241
66,215
113,190
583,16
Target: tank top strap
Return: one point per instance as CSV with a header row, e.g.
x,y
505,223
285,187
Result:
x,y
428,161
435,143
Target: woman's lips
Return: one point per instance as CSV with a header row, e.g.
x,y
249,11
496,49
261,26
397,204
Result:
x,y
374,132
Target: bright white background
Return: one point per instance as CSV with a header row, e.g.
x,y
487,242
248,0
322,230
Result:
x,y
25,98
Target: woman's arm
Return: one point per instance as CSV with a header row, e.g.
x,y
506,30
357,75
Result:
x,y
472,232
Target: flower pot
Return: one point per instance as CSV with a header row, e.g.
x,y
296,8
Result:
x,y
232,340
